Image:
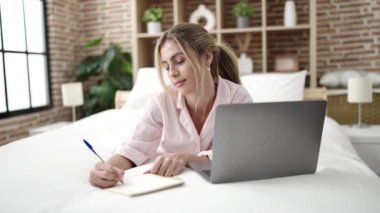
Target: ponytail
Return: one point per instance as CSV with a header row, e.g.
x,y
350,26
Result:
x,y
225,64
195,37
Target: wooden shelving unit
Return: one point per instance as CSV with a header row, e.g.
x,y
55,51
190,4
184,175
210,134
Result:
x,y
177,11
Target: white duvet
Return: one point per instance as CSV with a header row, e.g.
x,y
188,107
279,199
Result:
x,y
49,173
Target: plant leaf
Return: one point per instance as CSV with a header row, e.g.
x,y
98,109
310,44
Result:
x,y
108,56
103,94
121,80
153,14
127,63
91,43
90,66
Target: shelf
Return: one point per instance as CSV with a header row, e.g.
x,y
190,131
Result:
x,y
270,37
283,28
214,32
146,35
268,28
332,92
241,30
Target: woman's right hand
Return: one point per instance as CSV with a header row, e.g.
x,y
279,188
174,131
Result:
x,y
104,175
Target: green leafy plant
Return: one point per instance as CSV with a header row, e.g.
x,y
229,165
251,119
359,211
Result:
x,y
153,14
243,8
112,71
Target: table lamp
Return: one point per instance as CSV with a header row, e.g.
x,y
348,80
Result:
x,y
359,91
72,96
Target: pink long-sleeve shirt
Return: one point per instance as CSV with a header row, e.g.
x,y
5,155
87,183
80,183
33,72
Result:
x,y
167,122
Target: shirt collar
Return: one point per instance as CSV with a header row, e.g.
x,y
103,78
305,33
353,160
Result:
x,y
221,88
180,100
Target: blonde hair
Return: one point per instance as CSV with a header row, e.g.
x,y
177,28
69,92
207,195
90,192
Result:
x,y
194,37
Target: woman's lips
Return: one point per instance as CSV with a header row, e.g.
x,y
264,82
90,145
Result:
x,y
180,83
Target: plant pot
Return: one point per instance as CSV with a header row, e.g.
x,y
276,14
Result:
x,y
153,27
242,22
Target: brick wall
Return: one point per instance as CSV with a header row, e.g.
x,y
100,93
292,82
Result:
x,y
348,37
70,24
110,19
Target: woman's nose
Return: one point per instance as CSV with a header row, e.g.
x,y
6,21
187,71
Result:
x,y
173,72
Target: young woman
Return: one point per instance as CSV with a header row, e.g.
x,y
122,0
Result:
x,y
180,119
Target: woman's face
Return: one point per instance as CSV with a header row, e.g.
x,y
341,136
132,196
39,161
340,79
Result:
x,y
178,68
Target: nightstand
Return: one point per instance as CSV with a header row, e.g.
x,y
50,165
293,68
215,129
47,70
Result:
x,y
121,97
366,142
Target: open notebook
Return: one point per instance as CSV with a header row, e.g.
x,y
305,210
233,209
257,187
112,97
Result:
x,y
147,183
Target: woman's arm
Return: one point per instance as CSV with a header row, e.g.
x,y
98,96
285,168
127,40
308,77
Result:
x,y
171,164
120,162
107,174
134,151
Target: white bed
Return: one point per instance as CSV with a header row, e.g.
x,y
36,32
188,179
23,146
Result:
x,y
49,173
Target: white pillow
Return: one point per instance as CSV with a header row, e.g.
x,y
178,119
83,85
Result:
x,y
339,78
347,75
330,80
374,77
273,87
146,84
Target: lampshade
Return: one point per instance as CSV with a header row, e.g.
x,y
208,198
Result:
x,y
359,90
72,94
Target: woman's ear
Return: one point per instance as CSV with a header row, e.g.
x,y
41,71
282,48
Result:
x,y
209,57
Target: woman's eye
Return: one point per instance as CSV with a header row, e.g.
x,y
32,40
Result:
x,y
180,61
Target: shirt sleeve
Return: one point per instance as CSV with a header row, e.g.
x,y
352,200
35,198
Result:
x,y
241,96
145,138
207,153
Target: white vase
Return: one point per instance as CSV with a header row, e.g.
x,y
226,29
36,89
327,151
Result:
x,y
153,27
203,13
290,14
245,64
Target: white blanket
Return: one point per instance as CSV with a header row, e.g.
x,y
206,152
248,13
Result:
x,y
49,173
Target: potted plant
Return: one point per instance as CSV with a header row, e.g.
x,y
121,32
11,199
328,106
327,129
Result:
x,y
242,11
153,18
107,73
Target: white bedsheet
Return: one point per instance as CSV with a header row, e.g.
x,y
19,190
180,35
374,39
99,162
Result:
x,y
49,173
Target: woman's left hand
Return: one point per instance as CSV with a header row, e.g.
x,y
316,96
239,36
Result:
x,y
170,164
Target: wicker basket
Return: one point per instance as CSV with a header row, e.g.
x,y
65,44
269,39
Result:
x,y
347,113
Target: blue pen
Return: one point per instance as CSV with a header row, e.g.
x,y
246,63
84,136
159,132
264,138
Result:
x,y
92,150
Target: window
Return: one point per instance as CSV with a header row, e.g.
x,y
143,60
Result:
x,y
24,80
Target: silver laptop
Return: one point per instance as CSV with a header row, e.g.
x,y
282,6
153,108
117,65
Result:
x,y
266,140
